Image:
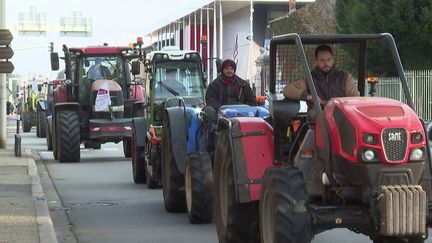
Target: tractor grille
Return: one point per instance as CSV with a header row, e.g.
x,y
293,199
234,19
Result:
x,y
395,143
403,210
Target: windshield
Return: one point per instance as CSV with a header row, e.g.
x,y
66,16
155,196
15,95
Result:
x,y
100,67
178,78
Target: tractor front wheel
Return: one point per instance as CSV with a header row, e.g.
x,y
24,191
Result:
x,y
41,122
68,136
199,188
172,179
235,222
283,207
26,122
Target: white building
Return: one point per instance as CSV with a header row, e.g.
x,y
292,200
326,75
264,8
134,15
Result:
x,y
233,29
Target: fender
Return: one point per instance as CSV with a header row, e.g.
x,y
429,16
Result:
x,y
67,106
176,117
194,132
139,124
251,141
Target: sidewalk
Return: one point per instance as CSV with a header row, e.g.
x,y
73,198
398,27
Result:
x,y
24,215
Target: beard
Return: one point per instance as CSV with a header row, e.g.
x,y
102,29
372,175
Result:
x,y
326,69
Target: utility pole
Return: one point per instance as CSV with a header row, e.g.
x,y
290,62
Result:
x,y
3,134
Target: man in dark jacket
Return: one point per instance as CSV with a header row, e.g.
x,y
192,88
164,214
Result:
x,y
226,89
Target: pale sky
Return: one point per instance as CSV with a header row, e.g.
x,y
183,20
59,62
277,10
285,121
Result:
x,y
117,22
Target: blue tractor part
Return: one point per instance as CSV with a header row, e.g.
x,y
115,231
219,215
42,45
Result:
x,y
195,162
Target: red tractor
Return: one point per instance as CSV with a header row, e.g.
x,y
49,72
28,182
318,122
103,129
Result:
x,y
364,164
96,102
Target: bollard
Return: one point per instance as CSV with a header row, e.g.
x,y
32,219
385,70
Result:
x,y
17,145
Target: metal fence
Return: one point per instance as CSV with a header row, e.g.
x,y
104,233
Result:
x,y
420,85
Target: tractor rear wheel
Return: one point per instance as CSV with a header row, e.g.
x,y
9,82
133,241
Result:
x,y
127,147
68,136
48,137
41,122
283,207
199,188
138,160
172,179
26,122
235,222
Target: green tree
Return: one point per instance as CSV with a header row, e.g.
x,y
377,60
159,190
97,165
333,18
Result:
x,y
409,21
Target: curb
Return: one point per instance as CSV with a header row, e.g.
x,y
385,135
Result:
x,y
45,225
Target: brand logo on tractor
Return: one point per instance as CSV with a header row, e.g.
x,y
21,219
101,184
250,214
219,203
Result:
x,y
394,136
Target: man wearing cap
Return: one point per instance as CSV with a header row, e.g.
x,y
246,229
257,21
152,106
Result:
x,y
228,88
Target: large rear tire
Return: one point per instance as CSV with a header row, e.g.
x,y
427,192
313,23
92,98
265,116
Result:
x,y
127,147
235,222
68,136
199,188
283,207
172,179
138,160
41,122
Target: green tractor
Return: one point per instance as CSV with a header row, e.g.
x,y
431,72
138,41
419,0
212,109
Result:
x,y
42,108
28,109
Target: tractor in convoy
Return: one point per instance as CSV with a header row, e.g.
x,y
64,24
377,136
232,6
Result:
x,y
47,107
28,108
96,102
42,108
363,164
173,78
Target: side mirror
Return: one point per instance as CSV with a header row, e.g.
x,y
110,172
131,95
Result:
x,y
39,87
218,65
86,63
135,68
54,61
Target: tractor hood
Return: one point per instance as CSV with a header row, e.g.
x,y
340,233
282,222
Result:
x,y
390,123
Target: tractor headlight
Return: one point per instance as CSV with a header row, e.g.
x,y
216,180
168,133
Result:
x,y
369,138
416,137
187,56
68,81
417,154
368,155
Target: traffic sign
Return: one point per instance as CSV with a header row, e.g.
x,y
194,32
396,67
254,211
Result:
x,y
6,52
6,67
5,37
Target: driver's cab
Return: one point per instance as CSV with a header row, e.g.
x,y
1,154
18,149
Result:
x,y
174,80
92,68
